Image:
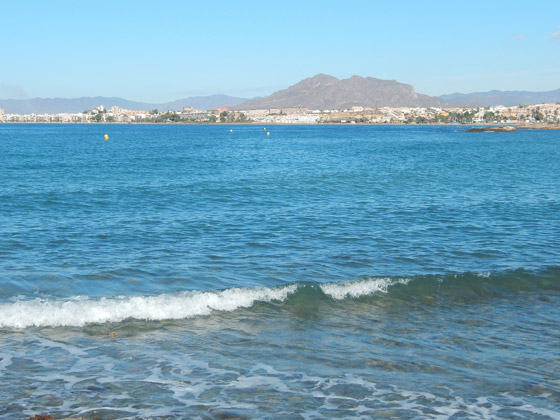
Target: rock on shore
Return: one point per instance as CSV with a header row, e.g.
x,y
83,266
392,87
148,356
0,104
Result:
x,y
507,129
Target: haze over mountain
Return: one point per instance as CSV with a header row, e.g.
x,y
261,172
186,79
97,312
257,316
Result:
x,y
75,105
498,97
327,92
318,92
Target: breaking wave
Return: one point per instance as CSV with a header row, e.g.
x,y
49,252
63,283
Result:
x,y
82,310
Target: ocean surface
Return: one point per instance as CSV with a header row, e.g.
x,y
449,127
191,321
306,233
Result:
x,y
215,272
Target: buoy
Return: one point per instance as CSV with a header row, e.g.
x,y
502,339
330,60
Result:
x,y
114,334
106,137
268,133
231,130
264,128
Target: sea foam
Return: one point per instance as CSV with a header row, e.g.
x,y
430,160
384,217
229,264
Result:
x,y
358,288
80,311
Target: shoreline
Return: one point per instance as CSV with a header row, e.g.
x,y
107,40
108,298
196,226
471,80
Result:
x,y
517,126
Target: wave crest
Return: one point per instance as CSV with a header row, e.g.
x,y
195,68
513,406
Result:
x,y
79,311
359,288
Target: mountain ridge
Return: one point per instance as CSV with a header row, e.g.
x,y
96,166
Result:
x,y
75,105
499,97
323,91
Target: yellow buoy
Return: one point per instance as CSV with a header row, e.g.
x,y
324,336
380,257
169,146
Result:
x,y
264,128
268,133
231,131
106,137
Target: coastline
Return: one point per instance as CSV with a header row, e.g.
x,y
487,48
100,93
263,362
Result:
x,y
516,126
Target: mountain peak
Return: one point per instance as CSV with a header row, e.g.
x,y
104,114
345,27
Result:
x,y
324,77
323,91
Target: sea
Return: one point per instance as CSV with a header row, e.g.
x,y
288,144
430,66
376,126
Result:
x,y
279,272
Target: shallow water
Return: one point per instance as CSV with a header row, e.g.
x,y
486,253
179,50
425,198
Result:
x,y
192,272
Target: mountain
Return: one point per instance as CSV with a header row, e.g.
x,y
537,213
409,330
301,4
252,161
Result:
x,y
498,97
318,92
327,92
204,102
75,105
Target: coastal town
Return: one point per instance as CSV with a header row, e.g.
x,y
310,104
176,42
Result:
x,y
543,114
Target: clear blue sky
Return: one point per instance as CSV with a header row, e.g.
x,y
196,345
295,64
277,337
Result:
x,y
165,50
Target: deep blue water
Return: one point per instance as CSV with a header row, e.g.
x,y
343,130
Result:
x,y
182,271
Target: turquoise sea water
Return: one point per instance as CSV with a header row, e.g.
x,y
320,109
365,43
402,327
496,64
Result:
x,y
178,272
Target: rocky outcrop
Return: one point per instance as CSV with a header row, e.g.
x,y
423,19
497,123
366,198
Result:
x,y
506,129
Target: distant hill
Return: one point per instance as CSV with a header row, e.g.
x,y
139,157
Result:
x,y
318,92
327,92
63,105
498,97
204,102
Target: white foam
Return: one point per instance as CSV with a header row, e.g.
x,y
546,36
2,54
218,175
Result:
x,y
358,288
80,311
545,412
5,361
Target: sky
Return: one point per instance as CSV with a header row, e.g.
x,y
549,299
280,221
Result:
x,y
166,50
